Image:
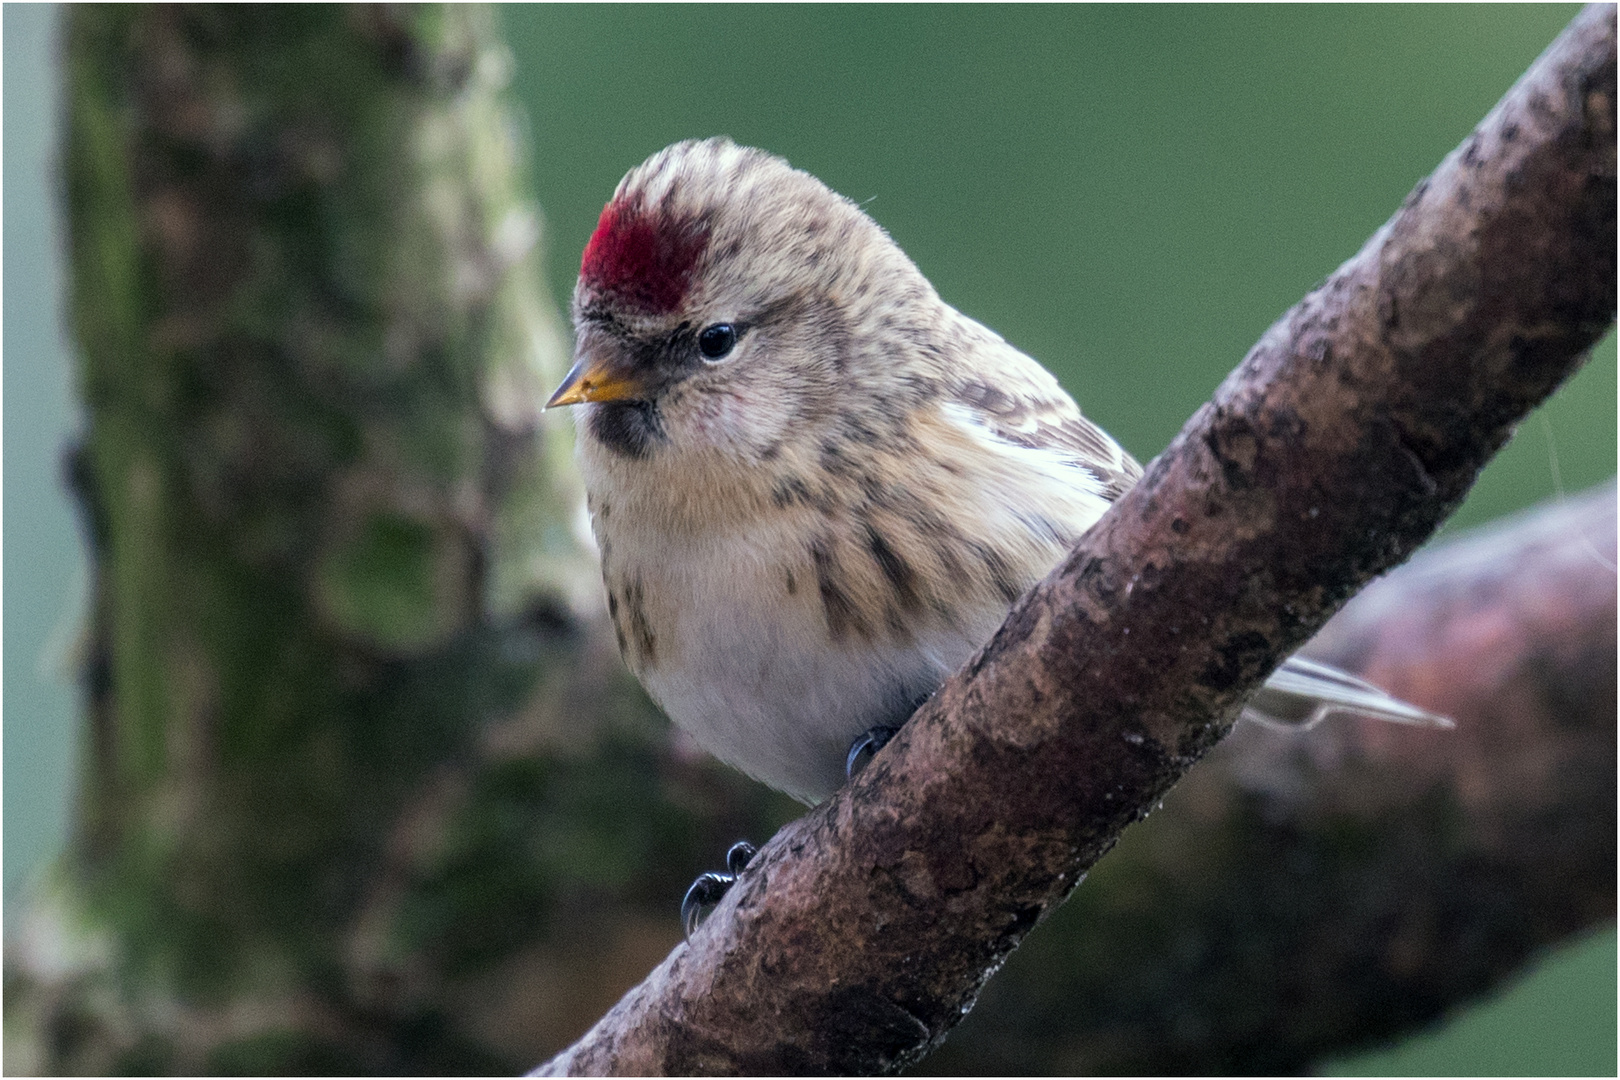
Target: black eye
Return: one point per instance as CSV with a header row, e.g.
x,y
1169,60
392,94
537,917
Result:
x,y
717,340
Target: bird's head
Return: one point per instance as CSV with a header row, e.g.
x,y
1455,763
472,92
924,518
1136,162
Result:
x,y
729,301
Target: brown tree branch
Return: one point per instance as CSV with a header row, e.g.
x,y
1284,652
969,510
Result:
x,y
864,931
1305,892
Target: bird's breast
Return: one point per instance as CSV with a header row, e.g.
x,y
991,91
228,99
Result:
x,y
778,611
746,641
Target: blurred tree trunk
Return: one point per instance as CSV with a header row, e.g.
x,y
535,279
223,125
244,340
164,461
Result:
x,y
356,752
365,787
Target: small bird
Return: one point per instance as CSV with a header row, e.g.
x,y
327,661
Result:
x,y
816,487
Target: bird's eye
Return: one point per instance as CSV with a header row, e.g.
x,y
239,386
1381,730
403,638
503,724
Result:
x,y
716,341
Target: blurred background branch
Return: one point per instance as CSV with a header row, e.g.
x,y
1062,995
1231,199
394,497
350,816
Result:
x,y
864,932
363,787
1302,892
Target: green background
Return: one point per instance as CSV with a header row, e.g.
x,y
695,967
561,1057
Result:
x,y
1130,194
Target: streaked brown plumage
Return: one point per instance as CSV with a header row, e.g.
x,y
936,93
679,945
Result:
x,y
817,488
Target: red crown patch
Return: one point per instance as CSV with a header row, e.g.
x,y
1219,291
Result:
x,y
644,258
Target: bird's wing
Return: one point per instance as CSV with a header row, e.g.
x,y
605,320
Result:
x,y
1019,402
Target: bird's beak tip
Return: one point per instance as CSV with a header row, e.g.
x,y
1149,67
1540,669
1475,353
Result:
x,y
586,382
574,389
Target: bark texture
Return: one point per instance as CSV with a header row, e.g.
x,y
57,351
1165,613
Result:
x,y
332,540
1303,893
1337,446
364,785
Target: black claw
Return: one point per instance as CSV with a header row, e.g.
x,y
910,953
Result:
x,y
709,889
739,855
865,747
705,892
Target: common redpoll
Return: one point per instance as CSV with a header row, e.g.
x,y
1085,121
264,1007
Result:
x,y
817,488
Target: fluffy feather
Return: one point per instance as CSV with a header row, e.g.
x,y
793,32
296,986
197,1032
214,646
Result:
x,y
802,538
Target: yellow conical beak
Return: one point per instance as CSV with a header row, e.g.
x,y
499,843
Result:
x,y
594,380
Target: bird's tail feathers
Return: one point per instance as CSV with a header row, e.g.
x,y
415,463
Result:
x,y
1303,693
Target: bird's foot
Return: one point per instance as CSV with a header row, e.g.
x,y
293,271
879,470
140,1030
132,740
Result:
x,y
709,889
864,748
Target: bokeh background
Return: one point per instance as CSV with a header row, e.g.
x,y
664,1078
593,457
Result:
x,y
1130,194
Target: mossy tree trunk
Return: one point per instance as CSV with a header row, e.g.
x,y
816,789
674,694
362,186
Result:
x,y
342,611
365,787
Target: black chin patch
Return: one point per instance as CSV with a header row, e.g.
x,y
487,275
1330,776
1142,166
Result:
x,y
631,428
